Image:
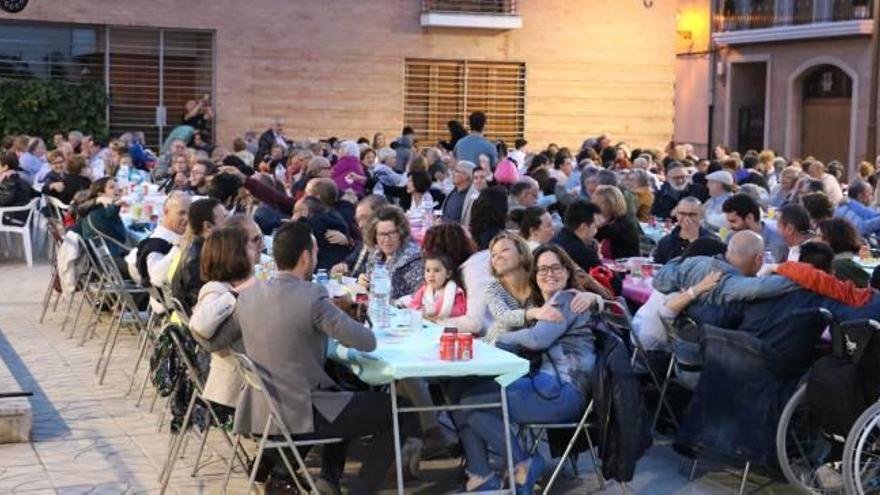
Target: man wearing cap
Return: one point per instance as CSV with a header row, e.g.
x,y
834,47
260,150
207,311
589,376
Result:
x,y
457,206
721,187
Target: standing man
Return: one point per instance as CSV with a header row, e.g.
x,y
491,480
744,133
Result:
x,y
470,147
273,135
457,207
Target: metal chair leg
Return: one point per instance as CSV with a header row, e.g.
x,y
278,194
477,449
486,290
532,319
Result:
x,y
745,477
195,470
176,444
235,445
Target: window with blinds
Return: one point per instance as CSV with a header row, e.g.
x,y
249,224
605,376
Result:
x,y
437,91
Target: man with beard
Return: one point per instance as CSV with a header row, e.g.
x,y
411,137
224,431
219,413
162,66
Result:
x,y
676,187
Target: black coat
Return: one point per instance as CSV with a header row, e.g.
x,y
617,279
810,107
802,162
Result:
x,y
667,198
187,280
623,425
672,245
15,191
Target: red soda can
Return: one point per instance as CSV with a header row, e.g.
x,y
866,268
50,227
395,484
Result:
x,y
447,346
465,346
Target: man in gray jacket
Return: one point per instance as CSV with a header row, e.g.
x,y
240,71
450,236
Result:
x,y
286,324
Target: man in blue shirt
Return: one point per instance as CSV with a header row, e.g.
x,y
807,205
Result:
x,y
470,147
458,203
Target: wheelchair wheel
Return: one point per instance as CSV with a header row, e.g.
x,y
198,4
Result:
x,y
861,454
800,448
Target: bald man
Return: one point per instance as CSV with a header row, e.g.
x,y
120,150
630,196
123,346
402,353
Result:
x,y
740,264
154,254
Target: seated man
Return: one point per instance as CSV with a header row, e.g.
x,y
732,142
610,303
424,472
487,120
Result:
x,y
150,261
743,213
856,208
312,404
688,214
204,215
795,229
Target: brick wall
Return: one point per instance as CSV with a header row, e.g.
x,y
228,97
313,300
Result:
x,y
335,67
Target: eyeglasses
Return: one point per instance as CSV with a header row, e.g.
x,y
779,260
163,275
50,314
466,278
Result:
x,y
388,235
557,269
691,214
677,178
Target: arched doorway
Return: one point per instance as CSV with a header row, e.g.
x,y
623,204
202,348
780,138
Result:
x,y
826,104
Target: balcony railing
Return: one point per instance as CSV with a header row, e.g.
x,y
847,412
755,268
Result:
x,y
736,15
479,7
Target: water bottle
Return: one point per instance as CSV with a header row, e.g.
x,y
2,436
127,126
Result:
x,y
322,277
427,211
768,258
122,176
380,291
280,173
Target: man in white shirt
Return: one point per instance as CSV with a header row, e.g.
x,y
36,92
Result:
x,y
794,227
152,259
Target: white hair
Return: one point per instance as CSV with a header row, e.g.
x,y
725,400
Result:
x,y
350,148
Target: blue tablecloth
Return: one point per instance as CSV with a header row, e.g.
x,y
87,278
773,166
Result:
x,y
415,354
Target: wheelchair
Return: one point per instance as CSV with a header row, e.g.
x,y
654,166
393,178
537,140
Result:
x,y
820,461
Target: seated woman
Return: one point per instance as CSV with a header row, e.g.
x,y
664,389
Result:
x,y
619,234
509,294
227,265
402,258
14,189
99,218
841,235
555,393
66,178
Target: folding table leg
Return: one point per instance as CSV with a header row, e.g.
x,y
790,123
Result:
x,y
398,460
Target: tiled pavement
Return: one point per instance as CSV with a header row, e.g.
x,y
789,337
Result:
x,y
92,439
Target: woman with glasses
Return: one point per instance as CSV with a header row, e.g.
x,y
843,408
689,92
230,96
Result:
x,y
555,392
390,234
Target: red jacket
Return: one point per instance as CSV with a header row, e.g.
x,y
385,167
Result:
x,y
825,284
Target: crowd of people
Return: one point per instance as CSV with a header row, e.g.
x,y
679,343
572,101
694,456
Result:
x,y
497,239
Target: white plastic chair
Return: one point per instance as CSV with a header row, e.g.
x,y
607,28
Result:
x,y
23,230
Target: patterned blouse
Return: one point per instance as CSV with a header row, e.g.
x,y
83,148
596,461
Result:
x,y
507,312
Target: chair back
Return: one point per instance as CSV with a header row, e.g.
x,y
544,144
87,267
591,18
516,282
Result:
x,y
859,341
253,378
619,318
177,306
56,207
104,261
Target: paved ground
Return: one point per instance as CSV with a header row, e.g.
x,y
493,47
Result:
x,y
92,439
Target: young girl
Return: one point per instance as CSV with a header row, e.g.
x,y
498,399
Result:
x,y
441,297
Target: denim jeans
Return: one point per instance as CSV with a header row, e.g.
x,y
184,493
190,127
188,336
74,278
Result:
x,y
482,430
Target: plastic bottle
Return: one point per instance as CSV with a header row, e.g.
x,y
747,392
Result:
x,y
380,291
280,173
122,176
322,277
427,212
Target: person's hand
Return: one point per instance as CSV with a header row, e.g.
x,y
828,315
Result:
x,y
229,169
56,186
582,302
690,228
364,280
708,283
865,252
336,237
120,202
247,284
350,196
339,269
104,200
545,313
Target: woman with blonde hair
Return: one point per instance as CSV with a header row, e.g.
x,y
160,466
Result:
x,y
618,234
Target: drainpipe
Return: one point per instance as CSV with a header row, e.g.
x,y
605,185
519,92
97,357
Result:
x,y
712,77
871,142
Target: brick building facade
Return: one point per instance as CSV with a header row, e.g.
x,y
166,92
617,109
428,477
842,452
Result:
x,y
339,67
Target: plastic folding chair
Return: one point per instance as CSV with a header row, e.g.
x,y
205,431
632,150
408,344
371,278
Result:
x,y
253,379
178,441
10,226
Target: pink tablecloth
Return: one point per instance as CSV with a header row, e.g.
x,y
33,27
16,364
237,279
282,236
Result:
x,y
636,289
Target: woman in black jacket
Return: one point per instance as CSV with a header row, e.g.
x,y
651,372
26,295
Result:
x,y
14,190
619,235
